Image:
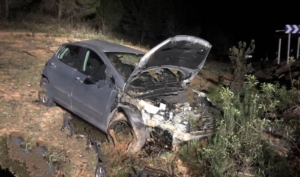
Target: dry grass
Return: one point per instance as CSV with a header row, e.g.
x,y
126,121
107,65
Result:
x,y
22,58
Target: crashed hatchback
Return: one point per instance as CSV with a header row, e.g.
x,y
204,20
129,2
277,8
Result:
x,y
107,84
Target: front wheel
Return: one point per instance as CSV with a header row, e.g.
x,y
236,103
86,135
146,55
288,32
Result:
x,y
44,97
124,135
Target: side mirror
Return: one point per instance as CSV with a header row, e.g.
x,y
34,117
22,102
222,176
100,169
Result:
x,y
89,80
112,82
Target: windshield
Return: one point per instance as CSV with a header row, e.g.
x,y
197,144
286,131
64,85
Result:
x,y
124,62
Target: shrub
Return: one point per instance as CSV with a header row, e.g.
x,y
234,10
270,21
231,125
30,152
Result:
x,y
240,146
238,56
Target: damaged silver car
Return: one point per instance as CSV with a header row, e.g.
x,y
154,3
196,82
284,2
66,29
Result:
x,y
107,84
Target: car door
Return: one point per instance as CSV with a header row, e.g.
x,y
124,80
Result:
x,y
61,73
92,98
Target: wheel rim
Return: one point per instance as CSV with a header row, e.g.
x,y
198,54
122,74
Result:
x,y
43,94
132,139
121,126
123,134
123,131
100,172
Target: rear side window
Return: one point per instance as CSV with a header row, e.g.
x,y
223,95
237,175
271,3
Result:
x,y
68,54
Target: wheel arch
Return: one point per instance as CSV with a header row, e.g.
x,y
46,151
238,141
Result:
x,y
136,122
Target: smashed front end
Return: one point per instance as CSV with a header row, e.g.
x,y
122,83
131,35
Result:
x,y
157,88
163,102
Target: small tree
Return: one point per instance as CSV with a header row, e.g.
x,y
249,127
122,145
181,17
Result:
x,y
238,56
13,4
109,14
175,19
69,9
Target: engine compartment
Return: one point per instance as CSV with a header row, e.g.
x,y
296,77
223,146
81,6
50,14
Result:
x,y
164,101
177,110
161,80
185,114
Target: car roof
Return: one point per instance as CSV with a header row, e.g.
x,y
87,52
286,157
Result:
x,y
106,46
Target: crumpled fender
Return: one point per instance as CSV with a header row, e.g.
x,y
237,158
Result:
x,y
137,124
134,117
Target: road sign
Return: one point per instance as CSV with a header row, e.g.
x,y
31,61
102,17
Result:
x,y
292,29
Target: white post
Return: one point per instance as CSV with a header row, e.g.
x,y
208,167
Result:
x,y
298,47
288,52
279,50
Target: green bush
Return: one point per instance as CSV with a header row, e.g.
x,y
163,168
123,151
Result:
x,y
240,145
286,97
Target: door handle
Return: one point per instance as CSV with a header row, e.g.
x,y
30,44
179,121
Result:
x,y
78,79
52,65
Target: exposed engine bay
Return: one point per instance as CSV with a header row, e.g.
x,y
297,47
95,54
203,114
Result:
x,y
182,114
164,102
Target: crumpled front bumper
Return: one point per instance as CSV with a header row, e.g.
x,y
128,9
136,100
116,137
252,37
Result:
x,y
179,135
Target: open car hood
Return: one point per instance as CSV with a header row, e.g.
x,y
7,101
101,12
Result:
x,y
182,52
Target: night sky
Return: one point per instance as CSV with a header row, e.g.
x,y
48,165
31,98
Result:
x,y
246,21
241,20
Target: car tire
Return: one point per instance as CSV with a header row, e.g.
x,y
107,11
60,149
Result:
x,y
43,94
138,136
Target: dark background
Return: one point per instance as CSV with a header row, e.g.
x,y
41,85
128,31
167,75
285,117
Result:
x,y
147,22
259,21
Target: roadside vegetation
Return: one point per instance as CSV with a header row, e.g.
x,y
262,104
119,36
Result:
x,y
258,134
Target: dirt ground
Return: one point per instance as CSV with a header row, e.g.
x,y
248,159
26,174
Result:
x,y
26,126
22,57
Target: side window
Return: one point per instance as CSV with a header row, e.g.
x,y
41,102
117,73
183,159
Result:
x,y
68,54
93,66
